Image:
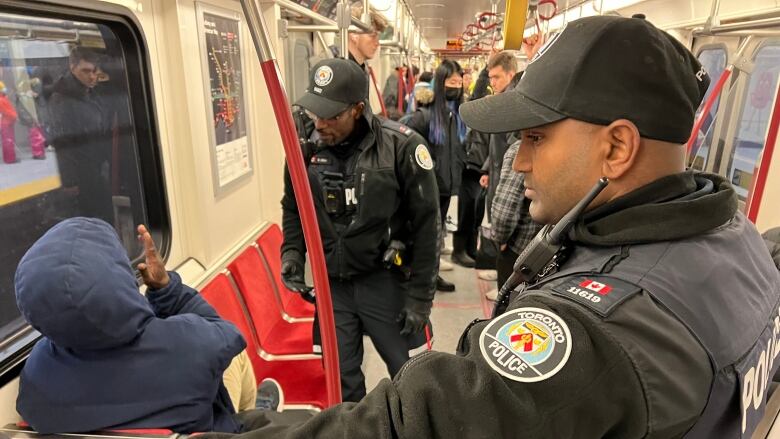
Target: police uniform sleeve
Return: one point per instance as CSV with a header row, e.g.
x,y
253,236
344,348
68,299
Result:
x,y
291,219
594,393
420,201
419,123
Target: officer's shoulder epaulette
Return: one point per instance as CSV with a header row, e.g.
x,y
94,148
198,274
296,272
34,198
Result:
x,y
602,294
397,127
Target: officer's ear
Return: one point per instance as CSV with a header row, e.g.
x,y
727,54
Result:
x,y
619,147
358,110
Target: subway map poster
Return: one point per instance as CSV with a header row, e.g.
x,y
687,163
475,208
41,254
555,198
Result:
x,y
231,156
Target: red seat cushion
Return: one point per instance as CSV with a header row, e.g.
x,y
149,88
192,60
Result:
x,y
221,294
270,243
303,381
275,335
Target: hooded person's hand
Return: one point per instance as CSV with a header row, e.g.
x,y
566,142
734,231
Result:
x,y
153,270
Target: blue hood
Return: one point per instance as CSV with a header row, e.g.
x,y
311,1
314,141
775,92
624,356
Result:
x,y
111,358
75,286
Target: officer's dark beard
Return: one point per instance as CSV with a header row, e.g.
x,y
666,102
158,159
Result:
x,y
353,139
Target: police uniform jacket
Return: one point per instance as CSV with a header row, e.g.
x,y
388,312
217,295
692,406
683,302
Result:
x,y
394,189
663,322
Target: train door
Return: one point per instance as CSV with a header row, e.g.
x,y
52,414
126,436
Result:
x,y
299,51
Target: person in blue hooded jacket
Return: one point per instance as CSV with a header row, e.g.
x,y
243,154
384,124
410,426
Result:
x,y
109,357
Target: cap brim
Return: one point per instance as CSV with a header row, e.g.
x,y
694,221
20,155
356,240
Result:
x,y
507,112
320,106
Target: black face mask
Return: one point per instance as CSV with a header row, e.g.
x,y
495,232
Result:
x,y
453,93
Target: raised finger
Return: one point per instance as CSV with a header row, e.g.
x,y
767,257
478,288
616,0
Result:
x,y
146,237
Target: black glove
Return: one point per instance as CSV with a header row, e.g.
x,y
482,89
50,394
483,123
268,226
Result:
x,y
293,274
414,316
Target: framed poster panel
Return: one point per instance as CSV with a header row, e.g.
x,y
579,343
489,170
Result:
x,y
221,54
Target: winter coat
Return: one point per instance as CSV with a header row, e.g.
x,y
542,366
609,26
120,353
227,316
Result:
x,y
448,159
111,358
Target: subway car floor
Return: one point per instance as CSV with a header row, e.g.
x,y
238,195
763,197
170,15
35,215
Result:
x,y
451,313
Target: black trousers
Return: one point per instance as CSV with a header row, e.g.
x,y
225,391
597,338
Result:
x,y
504,264
471,210
369,303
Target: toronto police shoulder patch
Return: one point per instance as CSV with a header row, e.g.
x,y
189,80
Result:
x,y
526,344
423,157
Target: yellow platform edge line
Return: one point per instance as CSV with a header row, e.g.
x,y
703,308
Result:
x,y
26,190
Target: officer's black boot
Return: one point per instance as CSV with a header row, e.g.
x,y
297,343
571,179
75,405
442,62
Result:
x,y
443,285
459,255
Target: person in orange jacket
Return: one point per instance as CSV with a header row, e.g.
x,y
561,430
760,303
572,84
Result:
x,y
8,114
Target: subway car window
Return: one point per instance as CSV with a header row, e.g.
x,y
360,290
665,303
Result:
x,y
71,131
714,61
754,120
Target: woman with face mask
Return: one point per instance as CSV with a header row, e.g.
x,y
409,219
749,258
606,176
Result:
x,y
445,132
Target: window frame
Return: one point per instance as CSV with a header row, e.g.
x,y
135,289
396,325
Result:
x,y
729,149
716,126
129,33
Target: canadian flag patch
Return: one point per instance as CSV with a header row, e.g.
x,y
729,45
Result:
x,y
596,287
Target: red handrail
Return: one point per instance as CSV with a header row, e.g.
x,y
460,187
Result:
x,y
300,181
714,94
762,170
378,93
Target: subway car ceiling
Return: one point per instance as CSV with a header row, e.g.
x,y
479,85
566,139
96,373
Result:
x,y
208,192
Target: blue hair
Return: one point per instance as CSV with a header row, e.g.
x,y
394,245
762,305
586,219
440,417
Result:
x,y
441,108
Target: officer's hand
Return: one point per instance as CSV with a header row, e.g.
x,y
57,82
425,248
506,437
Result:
x,y
153,269
293,277
484,181
414,316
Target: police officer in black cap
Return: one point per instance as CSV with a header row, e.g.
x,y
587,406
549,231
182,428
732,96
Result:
x,y
656,318
374,190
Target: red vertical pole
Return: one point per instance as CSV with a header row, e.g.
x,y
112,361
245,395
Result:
x,y
762,169
378,93
303,197
707,107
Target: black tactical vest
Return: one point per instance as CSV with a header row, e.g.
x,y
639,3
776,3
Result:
x,y
723,287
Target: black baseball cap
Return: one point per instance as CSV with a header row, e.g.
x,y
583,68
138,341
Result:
x,y
598,70
334,85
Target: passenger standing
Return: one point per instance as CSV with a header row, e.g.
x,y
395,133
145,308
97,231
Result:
x,y
81,136
662,322
397,84
502,68
441,125
468,84
374,188
7,123
28,96
363,46
471,199
512,227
